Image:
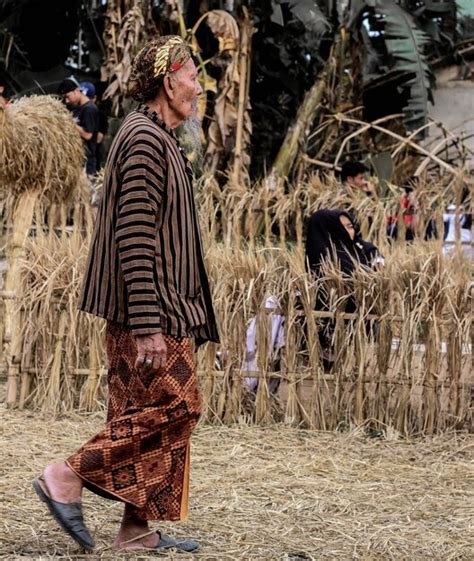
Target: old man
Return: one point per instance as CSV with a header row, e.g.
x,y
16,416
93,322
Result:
x,y
146,277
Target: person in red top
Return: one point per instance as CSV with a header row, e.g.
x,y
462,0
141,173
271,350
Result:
x,y
409,208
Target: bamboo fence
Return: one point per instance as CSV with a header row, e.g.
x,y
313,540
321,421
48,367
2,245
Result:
x,y
403,362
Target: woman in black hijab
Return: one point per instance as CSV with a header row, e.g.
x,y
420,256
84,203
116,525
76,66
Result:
x,y
331,235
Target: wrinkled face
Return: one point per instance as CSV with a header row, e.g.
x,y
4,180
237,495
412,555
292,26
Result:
x,y
73,98
359,181
186,90
348,225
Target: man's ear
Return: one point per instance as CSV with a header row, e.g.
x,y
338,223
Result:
x,y
168,84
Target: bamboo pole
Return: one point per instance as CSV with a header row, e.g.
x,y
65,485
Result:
x,y
208,391
432,365
22,219
317,417
53,386
94,372
404,140
25,376
244,76
262,399
285,376
292,411
361,361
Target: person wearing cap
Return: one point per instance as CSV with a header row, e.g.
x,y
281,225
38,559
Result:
x,y
146,276
89,90
86,116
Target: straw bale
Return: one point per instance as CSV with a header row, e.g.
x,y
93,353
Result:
x,y
264,493
40,148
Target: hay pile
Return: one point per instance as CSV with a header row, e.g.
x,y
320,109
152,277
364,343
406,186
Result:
x,y
40,148
403,361
265,493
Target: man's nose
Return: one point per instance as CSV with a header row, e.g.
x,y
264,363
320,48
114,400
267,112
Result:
x,y
198,89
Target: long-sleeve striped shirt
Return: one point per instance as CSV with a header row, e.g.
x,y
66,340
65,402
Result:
x,y
146,266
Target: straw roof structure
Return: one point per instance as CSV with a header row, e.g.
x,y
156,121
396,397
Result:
x,y
264,493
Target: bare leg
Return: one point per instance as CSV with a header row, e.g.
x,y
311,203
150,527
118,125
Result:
x,y
63,484
131,528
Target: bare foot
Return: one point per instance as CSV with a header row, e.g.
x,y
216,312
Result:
x,y
131,539
63,484
135,533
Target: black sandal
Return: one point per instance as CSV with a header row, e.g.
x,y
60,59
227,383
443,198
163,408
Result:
x,y
167,542
68,515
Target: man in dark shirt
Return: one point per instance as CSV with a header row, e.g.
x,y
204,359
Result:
x,y
354,180
86,116
89,90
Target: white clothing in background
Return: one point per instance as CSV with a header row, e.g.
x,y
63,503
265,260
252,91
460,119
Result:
x,y
277,341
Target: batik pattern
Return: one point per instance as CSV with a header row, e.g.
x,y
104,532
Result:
x,y
142,455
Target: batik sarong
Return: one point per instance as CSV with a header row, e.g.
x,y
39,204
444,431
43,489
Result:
x,y
142,455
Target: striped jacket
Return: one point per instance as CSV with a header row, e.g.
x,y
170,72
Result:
x,y
145,267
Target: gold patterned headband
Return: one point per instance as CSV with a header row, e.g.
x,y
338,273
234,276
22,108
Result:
x,y
163,64
157,58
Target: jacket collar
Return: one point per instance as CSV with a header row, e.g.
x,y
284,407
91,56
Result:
x,y
153,115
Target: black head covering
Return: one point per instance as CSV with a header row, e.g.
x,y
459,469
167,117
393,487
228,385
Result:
x,y
326,238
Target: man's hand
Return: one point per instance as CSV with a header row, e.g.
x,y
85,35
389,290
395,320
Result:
x,y
85,135
151,355
368,187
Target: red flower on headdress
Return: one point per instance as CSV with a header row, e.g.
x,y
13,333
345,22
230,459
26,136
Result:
x,y
175,66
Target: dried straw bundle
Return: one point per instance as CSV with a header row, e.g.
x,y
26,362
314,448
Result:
x,y
258,216
37,295
40,148
402,360
55,333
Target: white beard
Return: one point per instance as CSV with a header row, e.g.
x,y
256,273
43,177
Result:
x,y
190,137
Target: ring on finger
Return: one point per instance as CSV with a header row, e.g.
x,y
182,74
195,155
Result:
x,y
147,362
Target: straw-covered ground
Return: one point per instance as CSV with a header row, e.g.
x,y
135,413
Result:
x,y
265,493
